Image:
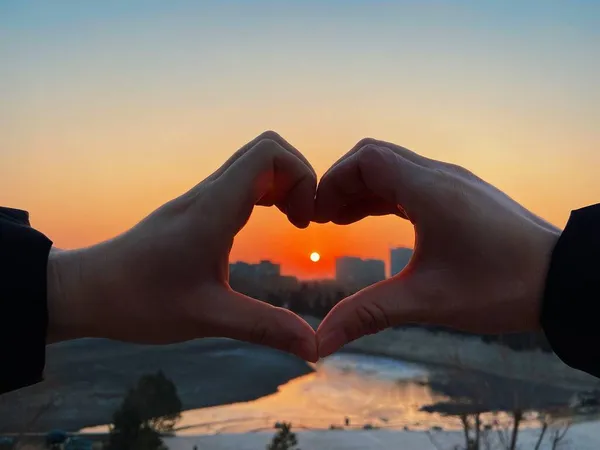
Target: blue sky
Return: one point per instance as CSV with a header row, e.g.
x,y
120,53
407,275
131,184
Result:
x,y
124,104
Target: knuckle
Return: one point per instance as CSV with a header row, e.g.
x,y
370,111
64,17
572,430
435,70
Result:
x,y
368,152
270,134
459,171
367,141
452,195
446,177
265,147
453,183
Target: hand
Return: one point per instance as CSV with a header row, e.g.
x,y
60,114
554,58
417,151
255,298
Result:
x,y
166,279
480,259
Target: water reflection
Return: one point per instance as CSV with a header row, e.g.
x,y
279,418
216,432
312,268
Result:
x,y
357,391
364,390
368,391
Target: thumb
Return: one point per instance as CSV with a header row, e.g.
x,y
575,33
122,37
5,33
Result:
x,y
257,322
369,311
267,174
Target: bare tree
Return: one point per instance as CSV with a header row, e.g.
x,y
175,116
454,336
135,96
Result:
x,y
517,418
558,435
542,433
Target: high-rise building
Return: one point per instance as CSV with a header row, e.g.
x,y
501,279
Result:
x,y
399,258
358,273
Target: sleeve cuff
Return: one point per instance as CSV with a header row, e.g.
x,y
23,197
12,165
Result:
x,y
23,305
569,313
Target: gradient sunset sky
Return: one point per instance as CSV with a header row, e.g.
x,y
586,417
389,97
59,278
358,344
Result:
x,y
109,109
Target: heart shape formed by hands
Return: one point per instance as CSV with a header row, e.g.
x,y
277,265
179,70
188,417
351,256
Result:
x,y
479,263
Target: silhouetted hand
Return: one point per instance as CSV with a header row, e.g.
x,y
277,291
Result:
x,y
480,258
166,279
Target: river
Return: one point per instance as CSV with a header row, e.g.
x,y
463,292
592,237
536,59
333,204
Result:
x,y
357,391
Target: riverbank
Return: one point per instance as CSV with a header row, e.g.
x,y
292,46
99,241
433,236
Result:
x,y
86,380
356,391
584,436
469,354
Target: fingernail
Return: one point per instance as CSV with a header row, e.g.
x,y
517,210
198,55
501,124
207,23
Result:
x,y
331,343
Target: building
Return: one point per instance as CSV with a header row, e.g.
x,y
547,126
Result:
x,y
242,269
287,283
399,258
264,269
358,273
268,269
258,279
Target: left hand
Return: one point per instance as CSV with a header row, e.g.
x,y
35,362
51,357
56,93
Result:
x,y
480,259
166,279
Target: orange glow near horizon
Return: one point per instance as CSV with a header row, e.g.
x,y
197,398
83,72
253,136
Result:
x,y
286,244
84,200
110,110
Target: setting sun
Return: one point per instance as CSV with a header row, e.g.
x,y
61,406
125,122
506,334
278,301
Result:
x,y
315,257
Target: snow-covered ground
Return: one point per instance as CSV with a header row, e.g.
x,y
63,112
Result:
x,y
584,436
469,353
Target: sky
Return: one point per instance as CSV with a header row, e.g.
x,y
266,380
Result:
x,y
109,109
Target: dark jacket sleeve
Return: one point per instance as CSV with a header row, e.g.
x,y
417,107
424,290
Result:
x,y
570,313
23,309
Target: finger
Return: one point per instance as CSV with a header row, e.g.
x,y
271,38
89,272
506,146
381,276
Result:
x,y
272,135
267,175
433,164
373,309
380,173
299,204
345,198
250,320
401,151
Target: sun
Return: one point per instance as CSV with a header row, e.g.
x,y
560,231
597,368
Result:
x,y
315,257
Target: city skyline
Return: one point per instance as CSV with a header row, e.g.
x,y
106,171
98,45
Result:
x,y
268,267
110,109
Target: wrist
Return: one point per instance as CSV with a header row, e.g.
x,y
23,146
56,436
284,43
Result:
x,y
69,306
87,289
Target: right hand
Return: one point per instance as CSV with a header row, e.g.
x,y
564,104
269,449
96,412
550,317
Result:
x,y
166,279
480,259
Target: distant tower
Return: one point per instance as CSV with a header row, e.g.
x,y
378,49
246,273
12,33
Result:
x,y
399,258
358,273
